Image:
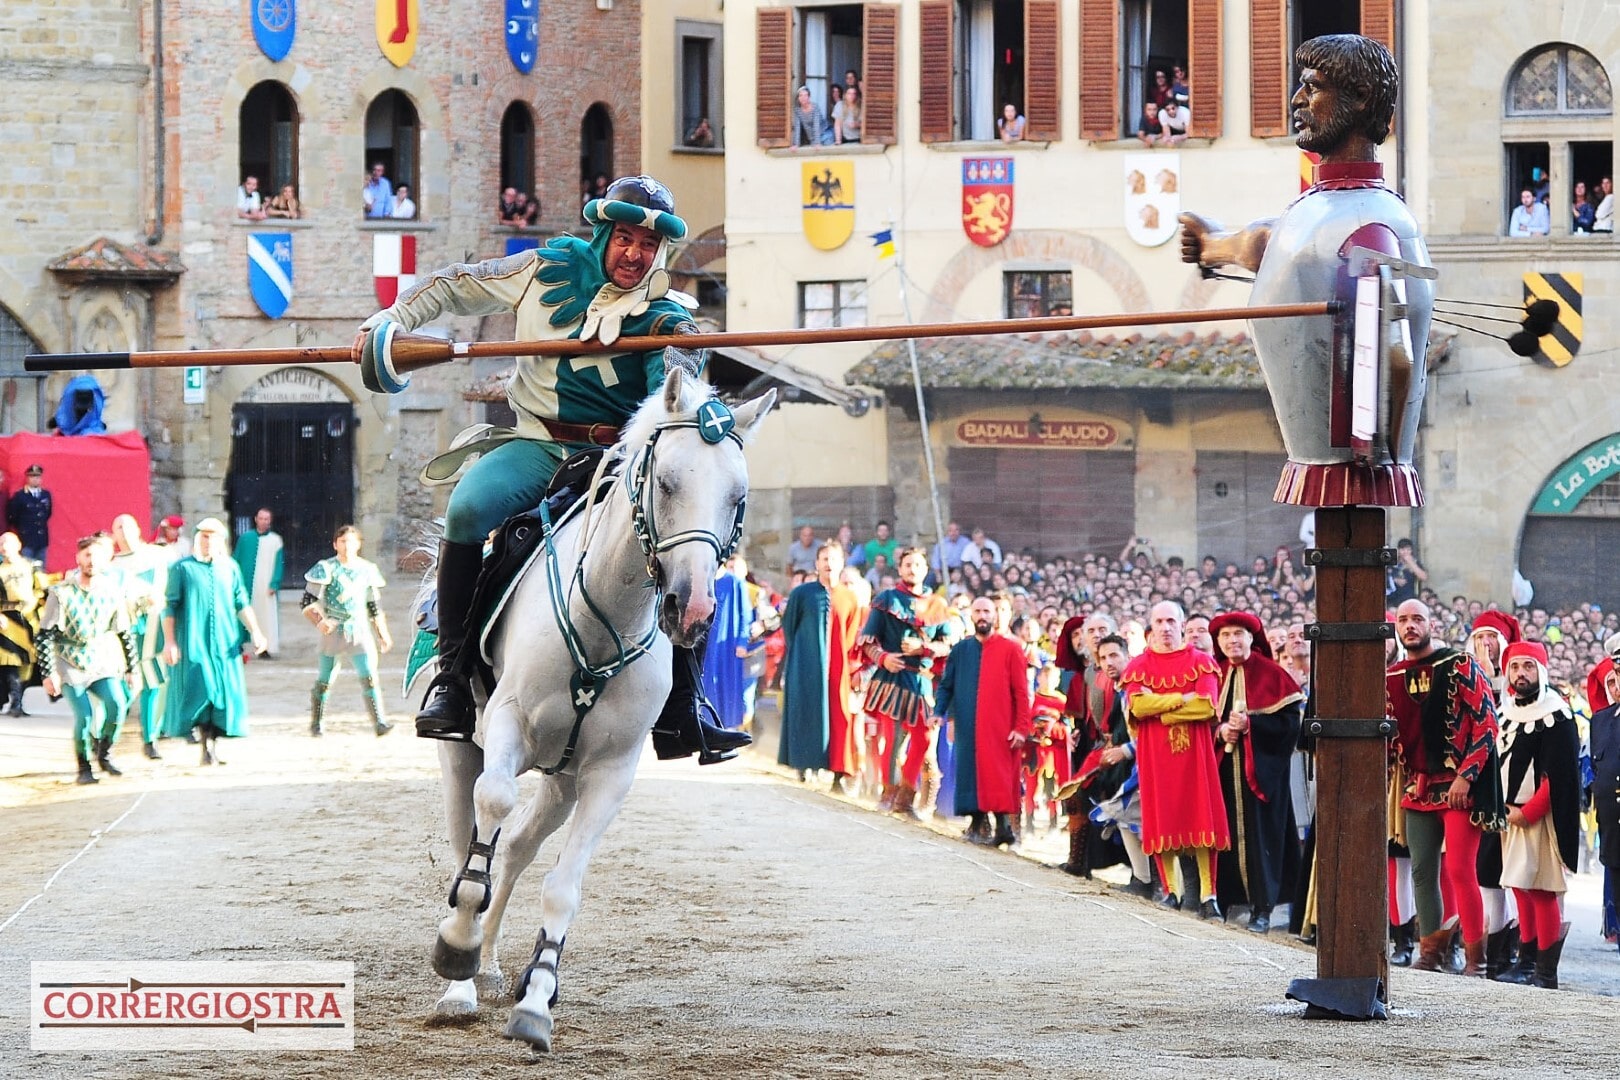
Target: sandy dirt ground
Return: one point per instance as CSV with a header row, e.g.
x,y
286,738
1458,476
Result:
x,y
734,924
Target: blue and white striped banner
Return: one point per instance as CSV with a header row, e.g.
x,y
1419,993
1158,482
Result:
x,y
270,271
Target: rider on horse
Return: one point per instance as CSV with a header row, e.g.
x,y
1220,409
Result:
x,y
613,284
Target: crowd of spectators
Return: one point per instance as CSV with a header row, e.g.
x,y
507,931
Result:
x,y
1167,110
1591,207
1125,585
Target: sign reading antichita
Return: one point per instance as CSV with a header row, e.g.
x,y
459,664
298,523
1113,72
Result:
x,y
1037,433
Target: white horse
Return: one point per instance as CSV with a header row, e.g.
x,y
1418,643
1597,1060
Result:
x,y
635,571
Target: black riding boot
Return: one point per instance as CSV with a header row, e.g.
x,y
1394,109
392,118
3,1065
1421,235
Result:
x,y
686,726
85,775
448,712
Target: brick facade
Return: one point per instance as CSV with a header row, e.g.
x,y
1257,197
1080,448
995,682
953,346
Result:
x,y
80,164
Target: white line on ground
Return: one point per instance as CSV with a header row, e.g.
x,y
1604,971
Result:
x,y
95,838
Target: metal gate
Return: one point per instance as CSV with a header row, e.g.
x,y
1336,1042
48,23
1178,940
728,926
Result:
x,y
297,460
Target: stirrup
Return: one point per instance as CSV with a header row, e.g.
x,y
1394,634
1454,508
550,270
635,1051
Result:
x,y
450,729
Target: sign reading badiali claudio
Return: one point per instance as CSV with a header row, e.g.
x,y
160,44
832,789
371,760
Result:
x,y
1037,433
1152,197
987,199
397,22
828,199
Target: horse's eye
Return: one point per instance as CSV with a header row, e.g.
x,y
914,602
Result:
x,y
665,486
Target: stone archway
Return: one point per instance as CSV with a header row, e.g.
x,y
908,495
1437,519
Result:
x,y
1044,245
293,452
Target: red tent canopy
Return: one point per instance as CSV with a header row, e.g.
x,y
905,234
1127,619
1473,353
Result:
x,y
92,479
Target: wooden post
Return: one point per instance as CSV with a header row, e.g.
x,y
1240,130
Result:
x,y
1351,759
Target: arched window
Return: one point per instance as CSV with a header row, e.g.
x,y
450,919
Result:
x,y
517,148
1559,79
393,135
268,139
1558,137
595,146
22,404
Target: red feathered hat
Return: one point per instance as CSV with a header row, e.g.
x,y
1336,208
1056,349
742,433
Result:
x,y
1249,622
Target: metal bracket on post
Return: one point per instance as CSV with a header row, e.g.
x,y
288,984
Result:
x,y
1350,556
1351,631
1334,727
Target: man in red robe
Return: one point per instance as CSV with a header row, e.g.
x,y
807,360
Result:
x,y
985,693
1170,692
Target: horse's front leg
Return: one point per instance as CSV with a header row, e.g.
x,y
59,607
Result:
x,y
459,766
603,786
495,794
520,843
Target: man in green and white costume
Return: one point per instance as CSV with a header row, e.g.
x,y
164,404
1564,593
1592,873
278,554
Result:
x,y
343,600
84,651
614,284
145,571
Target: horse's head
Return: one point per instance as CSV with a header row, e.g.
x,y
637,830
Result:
x,y
688,485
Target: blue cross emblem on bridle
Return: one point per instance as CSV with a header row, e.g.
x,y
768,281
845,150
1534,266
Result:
x,y
714,421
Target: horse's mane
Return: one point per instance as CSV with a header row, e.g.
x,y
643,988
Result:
x,y
635,434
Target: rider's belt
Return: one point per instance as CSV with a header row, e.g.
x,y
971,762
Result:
x,y
596,434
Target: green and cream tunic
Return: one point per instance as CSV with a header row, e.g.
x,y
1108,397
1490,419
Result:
x,y
348,595
85,626
145,574
557,292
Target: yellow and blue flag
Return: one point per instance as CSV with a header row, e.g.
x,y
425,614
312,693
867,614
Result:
x,y
883,240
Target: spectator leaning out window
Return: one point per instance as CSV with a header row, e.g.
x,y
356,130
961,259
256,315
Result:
x,y
1010,125
378,194
284,205
249,205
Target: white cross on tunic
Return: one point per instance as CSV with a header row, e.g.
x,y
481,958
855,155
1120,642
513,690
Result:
x,y
602,364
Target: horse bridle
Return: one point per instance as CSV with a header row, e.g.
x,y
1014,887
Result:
x,y
644,521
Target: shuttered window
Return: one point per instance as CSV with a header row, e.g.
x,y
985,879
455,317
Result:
x,y
1269,68
1042,77
1099,69
1378,22
1272,42
773,76
1204,67
880,55
936,112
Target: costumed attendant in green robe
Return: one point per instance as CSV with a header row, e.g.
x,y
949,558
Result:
x,y
343,599
570,289
145,570
206,598
84,650
259,556
820,628
19,620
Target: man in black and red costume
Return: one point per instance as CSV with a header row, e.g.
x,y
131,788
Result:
x,y
1258,713
1540,748
1444,709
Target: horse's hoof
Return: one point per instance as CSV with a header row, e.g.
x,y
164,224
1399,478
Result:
x,y
490,984
453,1012
532,1028
452,963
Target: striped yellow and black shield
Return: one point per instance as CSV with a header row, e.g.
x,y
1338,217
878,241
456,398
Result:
x,y
1559,347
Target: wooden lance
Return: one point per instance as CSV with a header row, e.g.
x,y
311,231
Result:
x,y
412,352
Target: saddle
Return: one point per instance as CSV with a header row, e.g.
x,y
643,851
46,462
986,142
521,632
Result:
x,y
512,548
